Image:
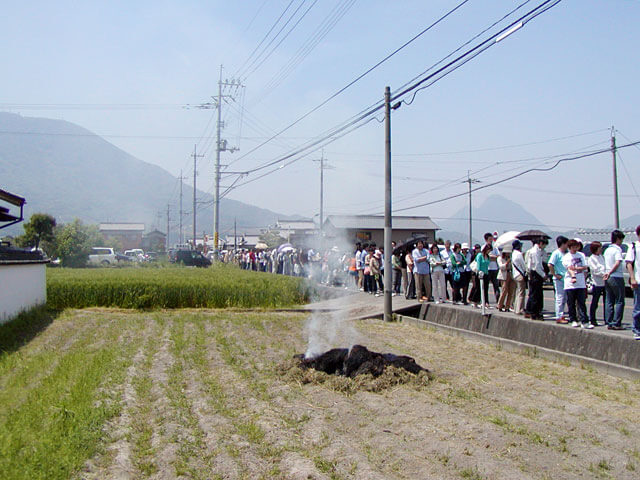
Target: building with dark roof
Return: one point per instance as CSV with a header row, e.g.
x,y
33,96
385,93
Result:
x,y
370,228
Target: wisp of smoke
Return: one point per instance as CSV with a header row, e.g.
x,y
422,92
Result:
x,y
329,330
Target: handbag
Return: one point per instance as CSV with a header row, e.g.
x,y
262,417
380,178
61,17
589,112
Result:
x,y
474,266
456,275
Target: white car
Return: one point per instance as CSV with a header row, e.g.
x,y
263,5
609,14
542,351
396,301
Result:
x,y
136,254
103,256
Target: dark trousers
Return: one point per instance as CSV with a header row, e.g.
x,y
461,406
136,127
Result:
x,y
397,280
577,298
448,282
465,278
411,286
595,298
493,278
535,302
456,287
367,282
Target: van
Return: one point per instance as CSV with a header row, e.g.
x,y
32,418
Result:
x,y
102,256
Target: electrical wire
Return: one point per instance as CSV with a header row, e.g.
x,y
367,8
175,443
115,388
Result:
x,y
358,78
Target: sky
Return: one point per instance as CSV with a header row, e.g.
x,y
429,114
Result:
x,y
128,70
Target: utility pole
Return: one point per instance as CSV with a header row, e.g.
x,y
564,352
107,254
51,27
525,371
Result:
x,y
470,180
168,220
388,308
235,236
181,239
221,146
616,205
323,167
195,174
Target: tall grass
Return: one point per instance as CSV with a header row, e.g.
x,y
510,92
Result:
x,y
219,286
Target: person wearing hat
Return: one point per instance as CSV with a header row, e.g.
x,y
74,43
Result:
x,y
505,275
518,270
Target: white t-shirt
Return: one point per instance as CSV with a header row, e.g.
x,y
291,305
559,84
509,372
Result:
x,y
612,254
493,264
632,257
576,260
597,268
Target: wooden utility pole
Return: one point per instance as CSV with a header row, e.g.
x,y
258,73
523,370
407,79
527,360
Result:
x,y
181,239
388,308
470,180
168,226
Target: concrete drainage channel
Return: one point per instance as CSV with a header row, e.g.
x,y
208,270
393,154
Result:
x,y
613,354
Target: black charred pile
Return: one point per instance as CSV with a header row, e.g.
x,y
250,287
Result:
x,y
358,361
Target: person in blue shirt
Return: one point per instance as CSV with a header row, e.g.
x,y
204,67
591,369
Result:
x,y
421,271
557,272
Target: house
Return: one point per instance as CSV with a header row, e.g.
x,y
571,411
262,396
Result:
x,y
301,233
154,241
370,228
22,272
129,235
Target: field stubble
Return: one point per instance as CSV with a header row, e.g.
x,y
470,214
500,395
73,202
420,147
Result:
x,y
209,395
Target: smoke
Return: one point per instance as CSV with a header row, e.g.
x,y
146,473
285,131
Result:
x,y
329,330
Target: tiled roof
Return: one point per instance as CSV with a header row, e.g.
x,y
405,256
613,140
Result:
x,y
377,222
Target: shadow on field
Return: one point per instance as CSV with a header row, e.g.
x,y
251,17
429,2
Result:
x,y
22,329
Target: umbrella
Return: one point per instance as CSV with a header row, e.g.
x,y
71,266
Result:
x,y
506,238
409,243
531,235
261,246
285,245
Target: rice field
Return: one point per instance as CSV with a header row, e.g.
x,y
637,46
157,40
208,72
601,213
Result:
x,y
209,394
219,286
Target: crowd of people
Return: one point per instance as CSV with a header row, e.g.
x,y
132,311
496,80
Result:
x,y
464,275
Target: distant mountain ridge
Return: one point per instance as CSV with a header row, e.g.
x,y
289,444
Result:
x,y
68,171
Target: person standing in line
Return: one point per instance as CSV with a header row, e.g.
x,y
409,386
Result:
x,y
633,267
493,266
421,272
465,272
505,275
402,255
472,275
557,272
437,264
597,268
359,267
410,292
482,260
536,273
575,265
396,267
374,265
519,276
367,270
448,277
614,282
457,262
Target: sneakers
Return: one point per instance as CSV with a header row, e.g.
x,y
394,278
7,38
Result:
x,y
575,324
588,326
636,336
562,320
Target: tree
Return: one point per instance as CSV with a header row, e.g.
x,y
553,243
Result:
x,y
37,230
272,238
73,243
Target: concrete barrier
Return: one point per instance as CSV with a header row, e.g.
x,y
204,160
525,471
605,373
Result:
x,y
604,350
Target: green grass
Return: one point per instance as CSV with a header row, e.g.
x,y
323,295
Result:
x,y
219,286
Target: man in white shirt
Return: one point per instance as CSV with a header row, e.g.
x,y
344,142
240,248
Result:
x,y
535,270
633,267
575,266
493,265
557,272
614,282
518,270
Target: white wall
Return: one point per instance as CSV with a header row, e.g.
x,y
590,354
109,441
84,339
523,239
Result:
x,y
22,286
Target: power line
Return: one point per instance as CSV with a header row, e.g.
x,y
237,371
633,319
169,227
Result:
x,y
359,77
450,197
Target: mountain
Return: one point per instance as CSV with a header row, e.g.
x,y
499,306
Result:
x,y
67,171
496,213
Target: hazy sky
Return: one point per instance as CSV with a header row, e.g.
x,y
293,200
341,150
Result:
x,y
571,72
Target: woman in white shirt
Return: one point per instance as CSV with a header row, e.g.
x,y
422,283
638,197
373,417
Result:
x,y
575,284
597,269
437,274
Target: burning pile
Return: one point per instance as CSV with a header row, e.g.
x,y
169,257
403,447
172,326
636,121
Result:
x,y
358,361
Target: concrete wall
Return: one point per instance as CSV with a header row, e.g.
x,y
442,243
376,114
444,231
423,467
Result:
x,y
22,286
609,348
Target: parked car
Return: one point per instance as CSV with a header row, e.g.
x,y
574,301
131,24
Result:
x,y
103,256
135,254
121,258
191,258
